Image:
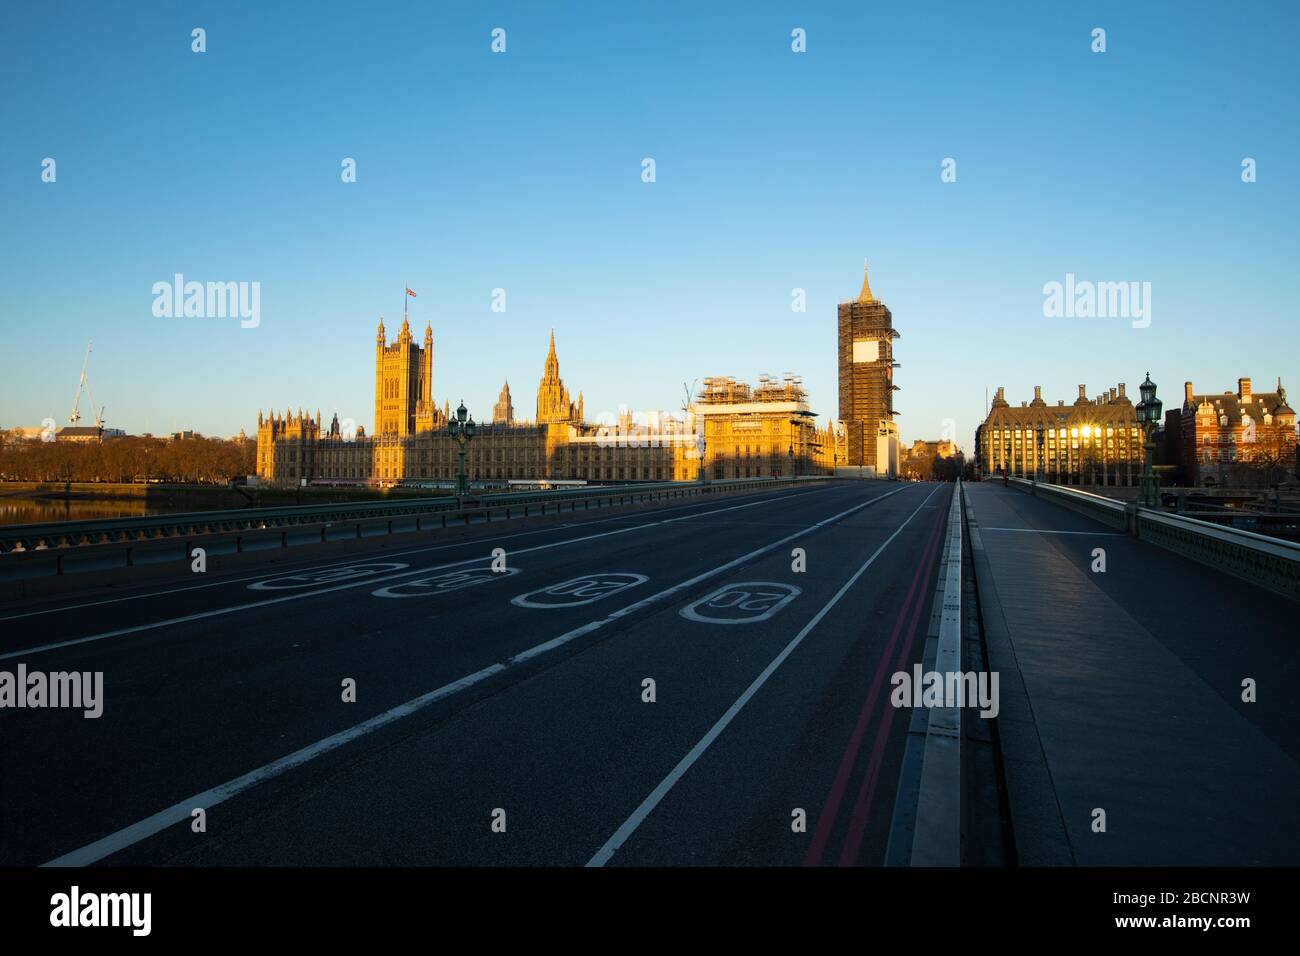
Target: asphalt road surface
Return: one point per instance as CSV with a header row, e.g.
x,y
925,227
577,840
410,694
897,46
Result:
x,y
501,711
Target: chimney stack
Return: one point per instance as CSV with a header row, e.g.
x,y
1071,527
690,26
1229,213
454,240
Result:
x,y
1187,393
1243,389
1083,392
1112,395
1121,390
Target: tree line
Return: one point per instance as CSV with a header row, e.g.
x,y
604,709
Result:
x,y
127,459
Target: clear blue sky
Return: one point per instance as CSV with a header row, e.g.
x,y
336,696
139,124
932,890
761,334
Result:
x,y
522,171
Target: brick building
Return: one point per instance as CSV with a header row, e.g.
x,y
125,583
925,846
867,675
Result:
x,y
1241,438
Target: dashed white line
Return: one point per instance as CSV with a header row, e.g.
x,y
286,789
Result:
x,y
300,595
630,825
177,812
390,554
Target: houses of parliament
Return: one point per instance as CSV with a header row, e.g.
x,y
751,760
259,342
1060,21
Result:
x,y
731,430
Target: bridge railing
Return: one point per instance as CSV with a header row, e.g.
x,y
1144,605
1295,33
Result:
x,y
1098,507
1272,563
64,546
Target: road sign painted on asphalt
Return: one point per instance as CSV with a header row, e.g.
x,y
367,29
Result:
x,y
442,583
746,602
309,579
582,590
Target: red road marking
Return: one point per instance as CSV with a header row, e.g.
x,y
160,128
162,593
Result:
x,y
830,809
866,793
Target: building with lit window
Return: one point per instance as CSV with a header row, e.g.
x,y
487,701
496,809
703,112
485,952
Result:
x,y
1092,441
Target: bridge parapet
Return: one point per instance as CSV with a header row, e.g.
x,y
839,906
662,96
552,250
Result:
x,y
1271,563
24,547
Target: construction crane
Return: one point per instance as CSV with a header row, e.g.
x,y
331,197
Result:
x,y
84,384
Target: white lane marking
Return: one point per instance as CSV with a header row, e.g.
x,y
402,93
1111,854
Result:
x,y
442,583
630,825
587,589
177,812
217,612
754,601
1102,534
401,554
147,827
307,579
677,588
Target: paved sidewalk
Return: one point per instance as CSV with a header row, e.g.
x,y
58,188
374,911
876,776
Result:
x,y
1122,692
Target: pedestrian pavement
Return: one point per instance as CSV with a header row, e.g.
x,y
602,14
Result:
x,y
1122,694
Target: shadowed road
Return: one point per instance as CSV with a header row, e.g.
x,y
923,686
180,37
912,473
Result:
x,y
510,690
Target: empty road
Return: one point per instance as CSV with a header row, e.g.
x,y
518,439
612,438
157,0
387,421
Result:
x,y
677,685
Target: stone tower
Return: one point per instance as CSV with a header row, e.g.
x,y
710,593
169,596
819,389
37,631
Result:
x,y
403,382
553,403
503,411
866,364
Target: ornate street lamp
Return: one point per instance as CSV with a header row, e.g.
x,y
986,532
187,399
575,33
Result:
x,y
462,428
1038,462
1148,414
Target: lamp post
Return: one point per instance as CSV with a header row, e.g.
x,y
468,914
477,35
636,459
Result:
x,y
700,443
1038,462
1148,414
703,445
462,428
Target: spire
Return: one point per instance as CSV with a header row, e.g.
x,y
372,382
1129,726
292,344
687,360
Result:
x,y
428,331
865,296
379,336
551,372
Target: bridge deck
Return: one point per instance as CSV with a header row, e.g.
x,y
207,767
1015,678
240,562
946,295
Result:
x,y
1132,682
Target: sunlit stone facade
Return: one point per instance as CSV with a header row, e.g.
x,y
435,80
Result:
x,y
1093,441
746,433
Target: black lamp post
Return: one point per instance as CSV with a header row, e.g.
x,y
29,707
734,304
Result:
x,y
462,428
1039,467
1148,414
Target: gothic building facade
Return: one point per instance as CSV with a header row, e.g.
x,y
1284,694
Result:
x,y
410,443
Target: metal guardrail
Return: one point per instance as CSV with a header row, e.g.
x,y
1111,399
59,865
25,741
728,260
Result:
x,y
53,542
1271,563
57,534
